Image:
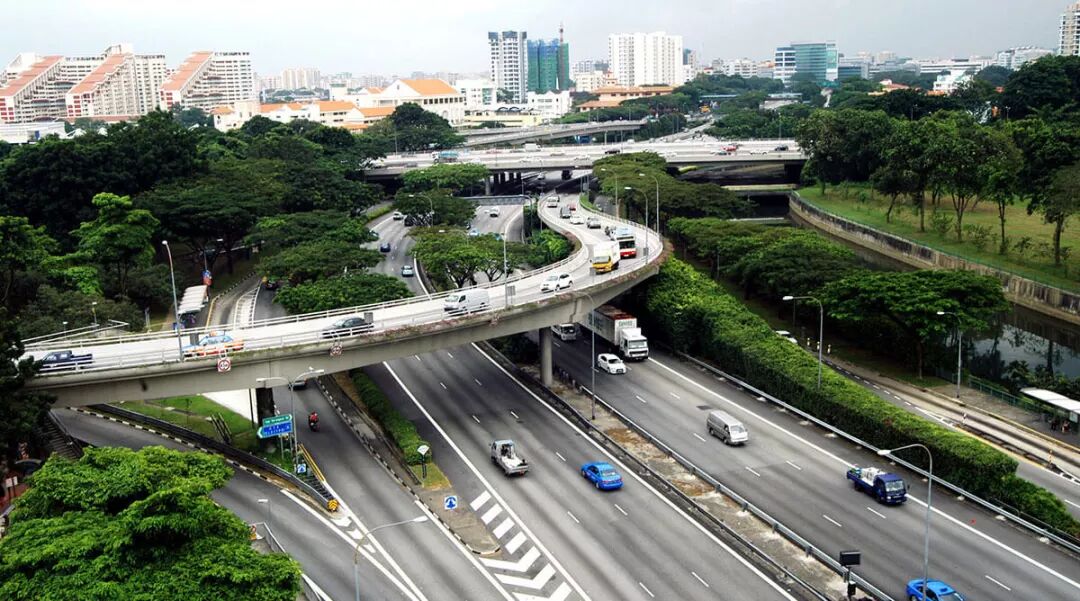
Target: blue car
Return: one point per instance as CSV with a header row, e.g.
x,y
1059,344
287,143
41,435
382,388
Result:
x,y
602,474
936,590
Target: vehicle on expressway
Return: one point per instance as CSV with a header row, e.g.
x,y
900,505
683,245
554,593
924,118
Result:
x,y
620,329
217,343
610,363
564,213
624,236
781,148
467,301
577,220
530,147
887,488
593,223
936,590
552,202
347,326
407,271
446,156
493,212
384,247
65,360
602,474
504,455
581,159
398,216
566,332
605,257
725,427
556,282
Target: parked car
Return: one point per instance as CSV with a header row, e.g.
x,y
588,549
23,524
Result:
x,y
217,343
592,222
347,326
398,215
384,247
407,271
556,282
936,590
577,220
602,474
610,363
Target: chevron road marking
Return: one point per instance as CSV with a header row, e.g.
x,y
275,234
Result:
x,y
521,566
535,583
560,594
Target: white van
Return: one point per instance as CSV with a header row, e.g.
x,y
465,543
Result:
x,y
565,331
467,301
726,428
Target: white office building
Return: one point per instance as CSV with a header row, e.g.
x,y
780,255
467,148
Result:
x,y
934,66
1014,58
948,81
509,64
593,80
480,94
1069,32
638,59
209,79
300,78
742,67
550,105
784,63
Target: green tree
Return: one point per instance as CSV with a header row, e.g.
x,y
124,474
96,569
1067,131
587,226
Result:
x,y
1062,201
911,300
844,144
135,525
119,239
318,259
1000,177
921,149
796,264
291,229
189,117
994,76
353,290
454,177
22,247
22,413
450,256
893,182
53,305
411,128
1046,86
448,210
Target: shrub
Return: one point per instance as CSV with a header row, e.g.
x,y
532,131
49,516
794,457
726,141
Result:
x,y
401,430
1037,501
698,316
941,222
980,235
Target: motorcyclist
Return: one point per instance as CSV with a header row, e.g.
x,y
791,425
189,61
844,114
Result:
x,y
313,420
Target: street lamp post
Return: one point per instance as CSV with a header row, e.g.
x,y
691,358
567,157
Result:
x,y
65,327
929,489
360,541
592,360
292,400
657,182
959,348
93,311
176,303
821,331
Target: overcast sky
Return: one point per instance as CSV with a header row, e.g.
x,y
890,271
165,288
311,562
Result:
x,y
398,37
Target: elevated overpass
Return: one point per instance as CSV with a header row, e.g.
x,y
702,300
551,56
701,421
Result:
x,y
150,366
475,138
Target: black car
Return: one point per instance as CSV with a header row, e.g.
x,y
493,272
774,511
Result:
x,y
347,326
384,247
781,148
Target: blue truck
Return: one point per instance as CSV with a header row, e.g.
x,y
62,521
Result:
x,y
61,360
887,488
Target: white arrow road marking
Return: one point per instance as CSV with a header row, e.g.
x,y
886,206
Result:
x,y
478,502
515,543
503,528
521,566
535,583
560,594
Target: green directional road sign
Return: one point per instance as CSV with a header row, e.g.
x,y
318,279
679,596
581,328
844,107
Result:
x,y
276,426
276,419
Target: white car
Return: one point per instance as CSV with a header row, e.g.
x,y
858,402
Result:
x,y
494,212
552,202
556,282
577,220
398,215
610,363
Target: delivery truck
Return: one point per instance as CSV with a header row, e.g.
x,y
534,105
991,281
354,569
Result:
x,y
605,257
887,488
620,329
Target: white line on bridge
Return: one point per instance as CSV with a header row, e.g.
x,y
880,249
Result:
x,y
476,419
793,465
871,509
572,517
751,470
838,524
677,397
698,436
641,399
560,456
621,510
449,354
477,382
443,386
988,577
646,589
694,574
514,414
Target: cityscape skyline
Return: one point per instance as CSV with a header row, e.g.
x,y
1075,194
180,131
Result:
x,y
454,39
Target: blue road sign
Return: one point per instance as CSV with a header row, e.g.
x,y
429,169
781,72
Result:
x,y
275,430
450,502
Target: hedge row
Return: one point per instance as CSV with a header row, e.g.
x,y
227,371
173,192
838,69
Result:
x,y
401,430
699,317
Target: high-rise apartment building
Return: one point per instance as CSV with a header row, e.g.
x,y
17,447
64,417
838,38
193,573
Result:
x,y
742,67
300,78
117,83
817,61
209,79
588,66
509,65
1069,32
638,59
1014,58
548,66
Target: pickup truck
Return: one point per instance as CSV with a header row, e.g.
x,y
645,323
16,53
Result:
x,y
57,360
887,488
504,455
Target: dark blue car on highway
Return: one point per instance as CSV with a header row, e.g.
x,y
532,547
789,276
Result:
x,y
602,474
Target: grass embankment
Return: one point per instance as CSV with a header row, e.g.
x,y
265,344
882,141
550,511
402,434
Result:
x,y
1035,262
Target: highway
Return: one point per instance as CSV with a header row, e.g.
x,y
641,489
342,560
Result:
x,y
795,472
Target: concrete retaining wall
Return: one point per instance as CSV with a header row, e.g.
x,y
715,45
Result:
x,y
1046,299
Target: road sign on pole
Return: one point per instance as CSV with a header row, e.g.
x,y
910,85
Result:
x,y
335,350
276,425
450,502
224,364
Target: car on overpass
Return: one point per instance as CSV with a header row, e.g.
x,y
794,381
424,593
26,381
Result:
x,y
407,271
347,326
602,474
216,343
556,282
593,223
552,202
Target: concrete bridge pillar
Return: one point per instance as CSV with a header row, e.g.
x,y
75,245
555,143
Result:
x,y
545,356
487,185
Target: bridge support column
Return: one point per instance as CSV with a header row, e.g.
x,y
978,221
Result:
x,y
545,356
487,185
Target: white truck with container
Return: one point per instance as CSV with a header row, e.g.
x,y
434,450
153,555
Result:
x,y
620,329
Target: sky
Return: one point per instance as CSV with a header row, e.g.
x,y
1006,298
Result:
x,y
365,36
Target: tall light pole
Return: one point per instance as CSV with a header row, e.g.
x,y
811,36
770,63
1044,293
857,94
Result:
x,y
176,303
959,348
929,489
356,554
93,311
821,331
592,361
657,182
292,399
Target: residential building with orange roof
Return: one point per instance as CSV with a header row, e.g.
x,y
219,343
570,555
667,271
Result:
x,y
434,95
332,113
209,79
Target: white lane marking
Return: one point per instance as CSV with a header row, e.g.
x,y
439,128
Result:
x,y
908,404
997,582
677,397
738,557
503,528
838,524
520,566
641,399
621,510
476,419
847,464
515,415
698,436
321,594
487,485
417,358
793,465
751,470
443,386
560,594
515,543
477,382
535,583
1070,503
449,354
464,551
877,513
556,344
560,456
479,502
646,589
352,544
492,513
572,517
694,574
876,387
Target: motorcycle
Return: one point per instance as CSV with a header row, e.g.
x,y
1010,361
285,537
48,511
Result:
x,y
314,425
